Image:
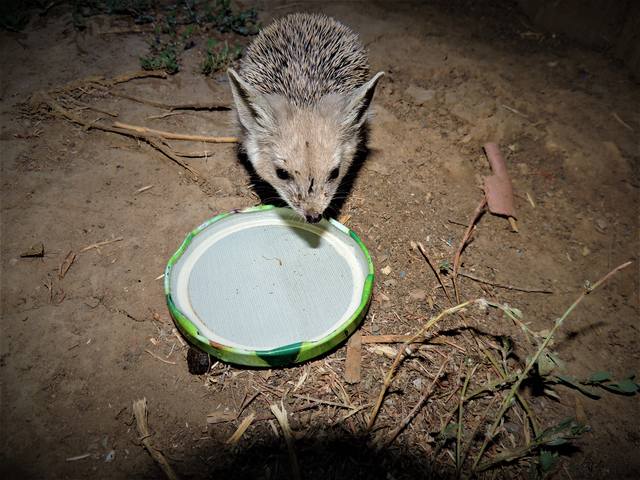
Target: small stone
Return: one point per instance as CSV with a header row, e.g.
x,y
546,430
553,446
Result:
x,y
601,224
420,96
386,270
585,251
383,297
198,362
35,250
418,295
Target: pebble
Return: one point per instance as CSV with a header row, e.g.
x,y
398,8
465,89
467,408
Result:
x,y
386,270
384,297
420,96
601,224
418,295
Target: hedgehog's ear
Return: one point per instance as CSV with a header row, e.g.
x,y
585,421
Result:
x,y
359,101
254,111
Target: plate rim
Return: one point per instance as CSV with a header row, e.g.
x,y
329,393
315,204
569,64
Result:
x,y
281,356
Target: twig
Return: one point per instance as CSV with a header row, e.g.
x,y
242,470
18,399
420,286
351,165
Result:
x,y
140,412
373,339
135,75
153,141
517,112
143,189
323,402
91,107
100,244
404,350
174,136
237,435
506,403
465,451
435,271
502,285
622,122
465,239
158,357
281,416
460,415
414,411
172,106
66,264
502,373
78,457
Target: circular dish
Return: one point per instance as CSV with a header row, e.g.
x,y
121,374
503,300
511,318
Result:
x,y
261,287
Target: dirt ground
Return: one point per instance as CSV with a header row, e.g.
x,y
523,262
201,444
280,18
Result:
x,y
78,350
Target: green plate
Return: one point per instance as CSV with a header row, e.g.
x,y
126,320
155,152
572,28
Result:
x,y
261,287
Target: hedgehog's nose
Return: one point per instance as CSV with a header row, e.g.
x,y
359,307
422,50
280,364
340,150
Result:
x,y
313,217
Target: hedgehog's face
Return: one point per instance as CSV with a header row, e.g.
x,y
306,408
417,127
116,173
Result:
x,y
303,153
305,158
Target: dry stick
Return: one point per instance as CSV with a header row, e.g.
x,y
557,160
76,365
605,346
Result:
x,y
135,75
237,435
172,106
622,122
501,285
467,235
404,349
203,154
281,416
465,451
140,412
154,142
506,403
323,402
414,411
525,405
435,271
175,136
158,358
373,339
100,244
460,414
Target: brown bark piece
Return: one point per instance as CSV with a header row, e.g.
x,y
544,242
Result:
x,y
354,357
497,187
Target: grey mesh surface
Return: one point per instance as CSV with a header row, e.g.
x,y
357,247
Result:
x,y
266,286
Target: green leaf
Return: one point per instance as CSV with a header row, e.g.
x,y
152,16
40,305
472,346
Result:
x,y
451,431
547,362
600,377
557,441
626,386
547,460
572,382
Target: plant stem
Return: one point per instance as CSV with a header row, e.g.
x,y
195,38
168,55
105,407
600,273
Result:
x,y
404,350
506,403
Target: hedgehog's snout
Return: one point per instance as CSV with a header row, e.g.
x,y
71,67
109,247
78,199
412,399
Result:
x,y
313,218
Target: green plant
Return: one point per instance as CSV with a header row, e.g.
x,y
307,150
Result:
x,y
219,55
224,19
163,57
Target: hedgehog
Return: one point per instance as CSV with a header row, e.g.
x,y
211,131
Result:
x,y
302,97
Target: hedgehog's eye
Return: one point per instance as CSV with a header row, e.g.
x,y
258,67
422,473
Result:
x,y
282,174
334,173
